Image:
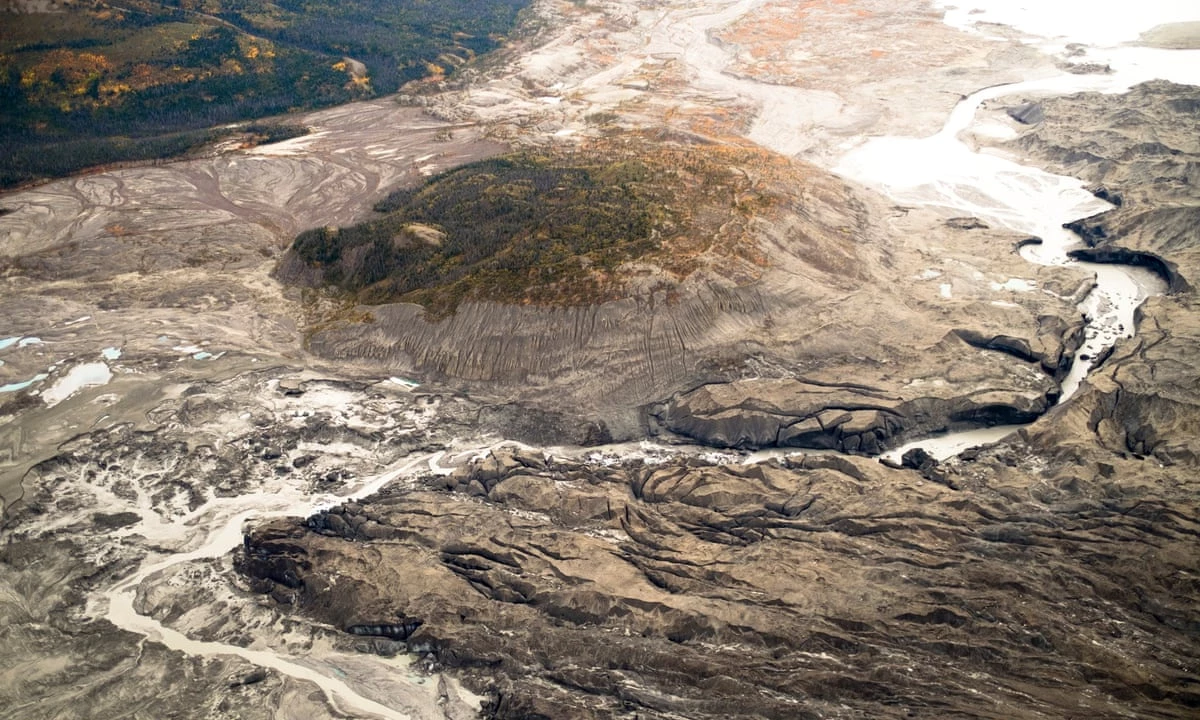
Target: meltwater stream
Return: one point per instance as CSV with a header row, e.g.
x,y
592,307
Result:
x,y
214,529
941,171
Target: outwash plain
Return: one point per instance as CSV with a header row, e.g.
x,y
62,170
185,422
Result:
x,y
287,432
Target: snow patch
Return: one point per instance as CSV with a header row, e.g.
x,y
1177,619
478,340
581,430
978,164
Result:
x,y
404,382
80,376
1015,285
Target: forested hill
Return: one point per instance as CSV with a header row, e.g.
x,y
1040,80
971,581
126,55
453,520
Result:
x,y
96,83
552,227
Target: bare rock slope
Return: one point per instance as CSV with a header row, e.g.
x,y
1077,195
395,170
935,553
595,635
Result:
x,y
823,587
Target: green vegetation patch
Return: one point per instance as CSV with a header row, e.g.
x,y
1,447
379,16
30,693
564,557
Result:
x,y
145,80
520,228
543,228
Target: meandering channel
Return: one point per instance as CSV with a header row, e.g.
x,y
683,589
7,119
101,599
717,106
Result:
x,y
942,171
214,529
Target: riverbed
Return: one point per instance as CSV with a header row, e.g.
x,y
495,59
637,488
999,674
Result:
x,y
946,171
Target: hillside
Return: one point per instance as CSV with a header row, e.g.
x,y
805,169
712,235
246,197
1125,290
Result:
x,y
547,227
97,84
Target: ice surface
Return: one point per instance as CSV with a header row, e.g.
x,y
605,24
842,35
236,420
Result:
x,y
79,377
1091,22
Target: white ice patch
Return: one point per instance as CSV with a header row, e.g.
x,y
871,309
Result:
x,y
947,290
111,353
1015,285
80,376
323,399
1091,22
929,274
404,382
8,342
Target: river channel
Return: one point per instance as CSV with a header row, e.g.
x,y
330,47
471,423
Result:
x,y
943,171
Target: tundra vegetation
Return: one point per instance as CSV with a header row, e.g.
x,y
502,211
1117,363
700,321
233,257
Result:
x,y
101,84
549,226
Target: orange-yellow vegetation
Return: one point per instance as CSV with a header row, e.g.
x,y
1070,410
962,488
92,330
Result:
x,y
717,191
770,33
70,67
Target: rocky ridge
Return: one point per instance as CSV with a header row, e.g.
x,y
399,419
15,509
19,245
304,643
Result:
x,y
820,586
